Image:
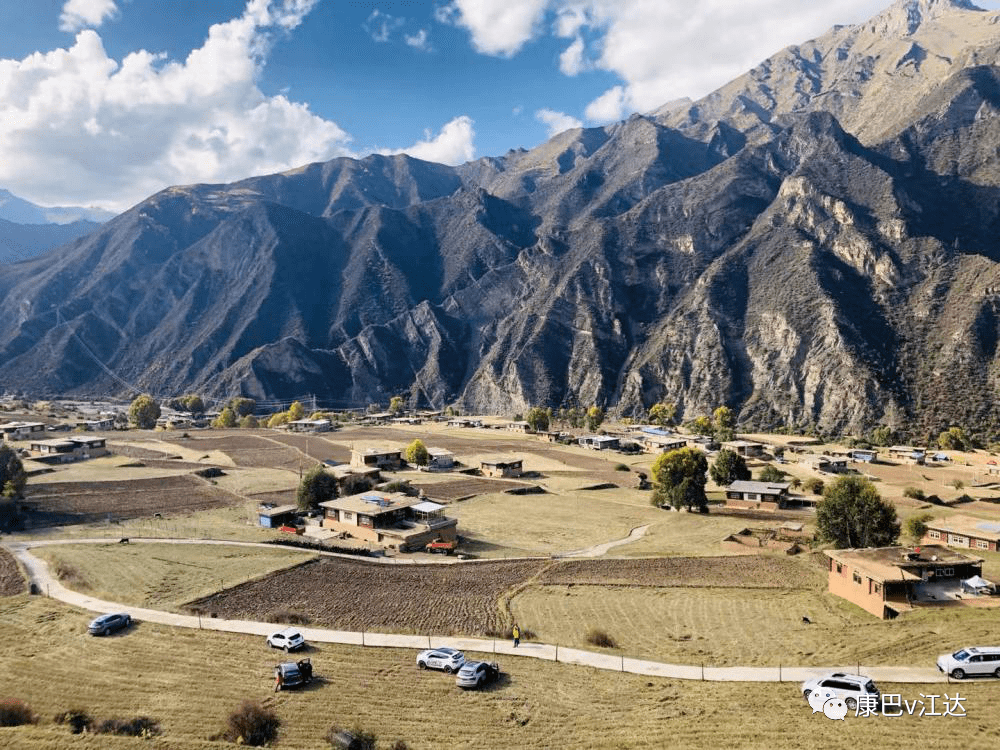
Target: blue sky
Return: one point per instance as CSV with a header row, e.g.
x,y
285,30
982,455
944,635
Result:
x,y
106,101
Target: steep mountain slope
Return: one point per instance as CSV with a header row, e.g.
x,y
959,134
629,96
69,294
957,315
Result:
x,y
776,247
22,241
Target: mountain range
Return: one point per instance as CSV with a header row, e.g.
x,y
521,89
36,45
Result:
x,y
27,229
814,245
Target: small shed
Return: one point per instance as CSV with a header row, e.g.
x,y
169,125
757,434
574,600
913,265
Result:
x,y
978,585
273,516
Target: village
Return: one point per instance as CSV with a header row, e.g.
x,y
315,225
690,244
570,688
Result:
x,y
560,528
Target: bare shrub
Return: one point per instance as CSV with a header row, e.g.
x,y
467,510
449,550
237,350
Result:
x,y
600,638
14,713
70,576
351,739
78,719
140,726
252,724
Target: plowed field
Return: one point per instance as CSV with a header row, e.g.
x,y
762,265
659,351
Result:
x,y
11,582
348,595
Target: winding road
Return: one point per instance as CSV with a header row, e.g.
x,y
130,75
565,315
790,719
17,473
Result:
x,y
39,574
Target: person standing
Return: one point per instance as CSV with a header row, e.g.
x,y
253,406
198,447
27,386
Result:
x,y
516,633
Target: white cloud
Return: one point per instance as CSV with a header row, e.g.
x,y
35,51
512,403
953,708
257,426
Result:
x,y
571,61
78,14
497,28
75,123
557,121
608,107
381,26
661,50
453,145
419,41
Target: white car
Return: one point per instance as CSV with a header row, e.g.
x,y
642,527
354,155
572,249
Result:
x,y
848,687
971,660
288,639
448,659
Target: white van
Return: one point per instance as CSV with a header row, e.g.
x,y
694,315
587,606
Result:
x,y
969,661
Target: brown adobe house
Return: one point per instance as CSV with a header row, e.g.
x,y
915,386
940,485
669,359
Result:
x,y
394,521
887,581
502,468
757,495
964,531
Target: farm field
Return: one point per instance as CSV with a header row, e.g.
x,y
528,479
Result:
x,y
348,595
58,503
11,580
162,576
501,525
536,706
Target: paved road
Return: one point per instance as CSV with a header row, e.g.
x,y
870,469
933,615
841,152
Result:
x,y
39,574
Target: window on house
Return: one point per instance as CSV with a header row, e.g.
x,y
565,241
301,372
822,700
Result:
x,y
934,534
982,544
857,577
840,568
347,515
877,588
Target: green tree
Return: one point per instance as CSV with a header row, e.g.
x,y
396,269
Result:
x,y
953,439
701,426
296,412
852,514
916,526
226,419
242,407
728,467
595,415
249,422
143,412
771,474
416,453
316,487
663,413
679,477
883,436
813,485
915,493
278,419
12,475
537,419
723,418
396,404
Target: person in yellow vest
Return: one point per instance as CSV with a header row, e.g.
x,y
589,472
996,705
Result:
x,y
516,632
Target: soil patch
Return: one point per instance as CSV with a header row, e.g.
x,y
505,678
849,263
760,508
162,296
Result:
x,y
348,595
462,489
11,581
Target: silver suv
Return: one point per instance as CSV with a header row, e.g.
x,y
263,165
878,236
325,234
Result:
x,y
969,661
848,687
106,624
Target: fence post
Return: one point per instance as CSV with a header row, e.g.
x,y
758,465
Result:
x,y
779,673
703,671
362,638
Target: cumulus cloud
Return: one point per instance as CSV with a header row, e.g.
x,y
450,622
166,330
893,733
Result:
x,y
455,144
497,28
79,14
661,50
557,121
418,41
381,26
76,124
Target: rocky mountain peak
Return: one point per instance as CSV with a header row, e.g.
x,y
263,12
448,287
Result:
x,y
904,17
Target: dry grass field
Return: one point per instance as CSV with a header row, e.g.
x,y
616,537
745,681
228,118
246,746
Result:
x,y
190,680
11,580
162,576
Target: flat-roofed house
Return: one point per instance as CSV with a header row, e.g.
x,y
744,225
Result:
x,y
73,448
272,516
827,464
440,459
522,427
886,581
502,467
100,424
310,425
757,495
381,459
598,442
744,448
395,521
908,453
21,430
964,531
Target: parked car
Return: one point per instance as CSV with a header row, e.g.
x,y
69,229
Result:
x,y
848,687
971,660
448,659
288,639
106,624
292,674
475,674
